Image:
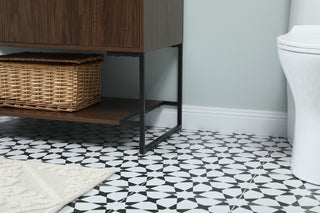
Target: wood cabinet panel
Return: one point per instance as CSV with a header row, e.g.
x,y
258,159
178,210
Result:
x,y
2,37
103,25
163,23
117,23
23,21
68,22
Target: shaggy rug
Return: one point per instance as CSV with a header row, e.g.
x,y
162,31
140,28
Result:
x,y
40,187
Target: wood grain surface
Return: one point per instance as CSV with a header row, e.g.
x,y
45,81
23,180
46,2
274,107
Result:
x,y
117,23
68,22
23,21
163,23
103,25
109,111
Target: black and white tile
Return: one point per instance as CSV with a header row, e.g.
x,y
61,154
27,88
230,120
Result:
x,y
193,171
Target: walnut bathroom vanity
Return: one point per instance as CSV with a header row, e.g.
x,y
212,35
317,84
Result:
x,y
119,27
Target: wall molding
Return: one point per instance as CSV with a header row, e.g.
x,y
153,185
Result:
x,y
262,123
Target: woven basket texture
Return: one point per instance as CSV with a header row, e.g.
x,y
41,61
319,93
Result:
x,y
54,82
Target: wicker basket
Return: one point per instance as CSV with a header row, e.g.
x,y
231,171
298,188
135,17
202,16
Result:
x,y
50,81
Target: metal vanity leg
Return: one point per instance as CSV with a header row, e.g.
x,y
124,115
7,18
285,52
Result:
x,y
180,82
142,107
143,147
142,102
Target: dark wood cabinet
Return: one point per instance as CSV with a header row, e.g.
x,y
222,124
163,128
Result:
x,y
22,21
68,22
113,29
108,25
45,22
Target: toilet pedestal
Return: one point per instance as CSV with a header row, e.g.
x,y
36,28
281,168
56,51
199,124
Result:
x,y
306,147
299,53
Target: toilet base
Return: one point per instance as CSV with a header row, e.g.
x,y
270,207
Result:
x,y
306,147
303,178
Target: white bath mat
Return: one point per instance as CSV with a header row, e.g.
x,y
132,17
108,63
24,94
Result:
x,y
32,187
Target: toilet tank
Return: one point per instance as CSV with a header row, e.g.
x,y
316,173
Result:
x,y
304,12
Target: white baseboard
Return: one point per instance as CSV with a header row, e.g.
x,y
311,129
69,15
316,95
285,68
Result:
x,y
263,123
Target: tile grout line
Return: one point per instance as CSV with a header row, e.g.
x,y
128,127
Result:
x,y
235,207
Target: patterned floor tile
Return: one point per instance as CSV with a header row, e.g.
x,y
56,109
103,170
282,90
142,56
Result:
x,y
193,171
276,189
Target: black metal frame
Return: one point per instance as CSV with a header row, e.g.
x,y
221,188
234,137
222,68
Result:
x,y
142,112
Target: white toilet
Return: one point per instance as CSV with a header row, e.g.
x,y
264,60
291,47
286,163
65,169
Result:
x,y
299,53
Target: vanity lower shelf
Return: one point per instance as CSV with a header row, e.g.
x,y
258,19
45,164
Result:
x,y
108,111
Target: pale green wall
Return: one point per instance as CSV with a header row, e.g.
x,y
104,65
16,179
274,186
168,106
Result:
x,y
231,53
230,58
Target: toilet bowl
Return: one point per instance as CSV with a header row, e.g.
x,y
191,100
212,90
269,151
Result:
x,y
299,53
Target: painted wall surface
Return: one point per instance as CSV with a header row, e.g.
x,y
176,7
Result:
x,y
230,58
231,53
